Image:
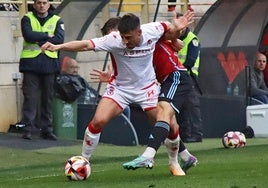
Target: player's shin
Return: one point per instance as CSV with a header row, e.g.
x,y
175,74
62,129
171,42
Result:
x,y
172,146
91,140
158,134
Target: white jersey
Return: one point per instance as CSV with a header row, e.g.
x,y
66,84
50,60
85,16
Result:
x,y
133,67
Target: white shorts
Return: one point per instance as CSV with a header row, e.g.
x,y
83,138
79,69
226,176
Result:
x,y
146,97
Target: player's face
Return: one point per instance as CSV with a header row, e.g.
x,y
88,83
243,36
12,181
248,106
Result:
x,y
131,39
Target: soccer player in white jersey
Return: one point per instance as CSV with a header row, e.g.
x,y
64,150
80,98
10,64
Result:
x,y
134,77
165,61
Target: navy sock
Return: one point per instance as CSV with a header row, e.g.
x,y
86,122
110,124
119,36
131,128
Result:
x,y
182,146
158,135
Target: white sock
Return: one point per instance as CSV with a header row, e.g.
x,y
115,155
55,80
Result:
x,y
185,155
90,143
172,147
149,152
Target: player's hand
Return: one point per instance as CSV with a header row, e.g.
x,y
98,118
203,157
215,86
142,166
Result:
x,y
101,76
49,46
183,21
177,44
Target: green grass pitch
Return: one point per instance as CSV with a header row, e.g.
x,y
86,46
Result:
x,y
218,167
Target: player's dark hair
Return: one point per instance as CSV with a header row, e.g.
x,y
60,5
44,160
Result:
x,y
110,25
129,22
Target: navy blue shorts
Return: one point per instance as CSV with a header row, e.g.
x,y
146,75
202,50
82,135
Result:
x,y
175,89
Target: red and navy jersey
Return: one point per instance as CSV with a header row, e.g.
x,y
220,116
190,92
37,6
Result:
x,y
165,60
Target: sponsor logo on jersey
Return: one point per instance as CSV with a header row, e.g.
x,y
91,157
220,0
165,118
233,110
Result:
x,y
137,52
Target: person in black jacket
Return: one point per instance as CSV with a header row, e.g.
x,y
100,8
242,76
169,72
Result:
x,y
39,69
86,94
259,90
191,123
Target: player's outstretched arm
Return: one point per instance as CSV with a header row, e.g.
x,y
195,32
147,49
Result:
x,y
178,24
74,46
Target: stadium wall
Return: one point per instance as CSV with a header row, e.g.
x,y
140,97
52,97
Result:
x,y
11,97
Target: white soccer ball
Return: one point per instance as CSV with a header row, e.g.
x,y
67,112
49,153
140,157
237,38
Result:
x,y
77,168
242,139
233,139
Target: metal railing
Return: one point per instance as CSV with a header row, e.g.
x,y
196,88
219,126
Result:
x,y
144,4
22,7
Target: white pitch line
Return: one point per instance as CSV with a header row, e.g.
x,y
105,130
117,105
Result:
x,y
37,177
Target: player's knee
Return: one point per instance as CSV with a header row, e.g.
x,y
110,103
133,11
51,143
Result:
x,y
99,122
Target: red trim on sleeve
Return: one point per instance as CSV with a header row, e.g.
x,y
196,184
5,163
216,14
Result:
x,y
165,26
92,43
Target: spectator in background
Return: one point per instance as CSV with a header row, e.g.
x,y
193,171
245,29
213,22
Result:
x,y
51,7
69,66
39,69
172,6
259,89
190,117
265,71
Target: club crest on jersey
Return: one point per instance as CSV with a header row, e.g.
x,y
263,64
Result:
x,y
110,91
149,42
114,36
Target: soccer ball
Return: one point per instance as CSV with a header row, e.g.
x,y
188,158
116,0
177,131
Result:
x,y
233,139
242,139
77,168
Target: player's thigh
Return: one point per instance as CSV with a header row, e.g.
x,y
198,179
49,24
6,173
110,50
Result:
x,y
173,123
106,110
165,111
151,114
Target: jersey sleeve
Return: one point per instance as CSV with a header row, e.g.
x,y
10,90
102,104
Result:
x,y
153,29
107,42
